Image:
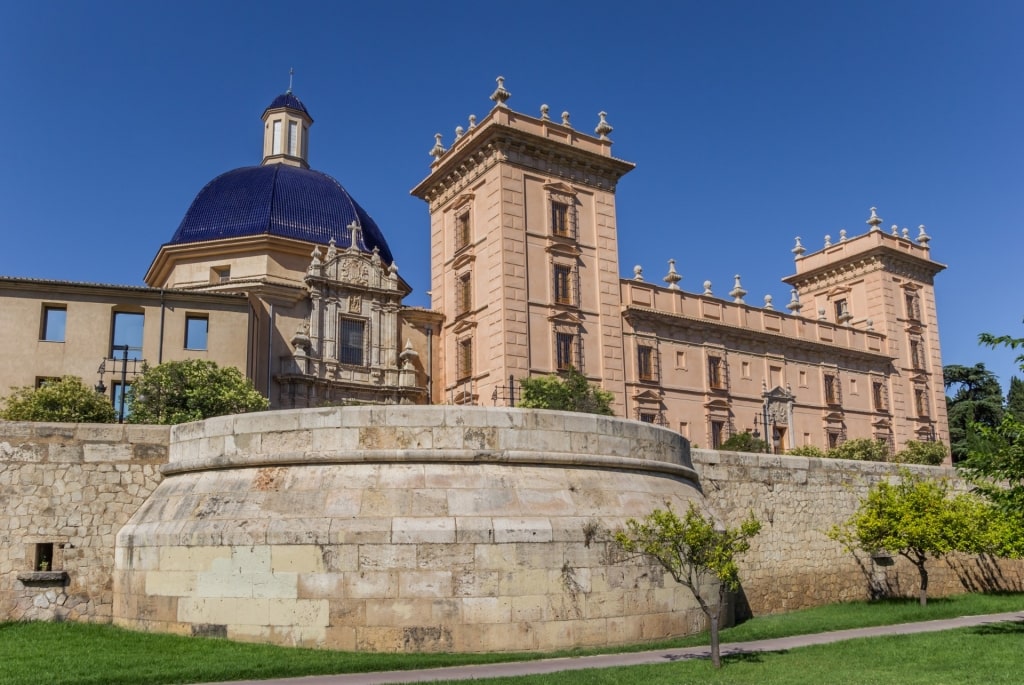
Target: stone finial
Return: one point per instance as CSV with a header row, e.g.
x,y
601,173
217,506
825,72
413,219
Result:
x,y
905,233
300,341
821,315
500,95
565,120
794,302
798,249
472,121
828,240
870,324
874,221
603,127
922,236
544,116
438,148
737,291
638,273
842,235
408,354
895,230
768,303
375,256
315,254
332,250
673,277
459,132
707,288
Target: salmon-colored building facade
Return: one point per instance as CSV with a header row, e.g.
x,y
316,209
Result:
x,y
299,289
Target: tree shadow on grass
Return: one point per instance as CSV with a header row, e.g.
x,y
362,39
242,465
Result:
x,y
1003,628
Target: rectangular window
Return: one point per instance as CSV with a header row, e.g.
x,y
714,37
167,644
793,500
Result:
x,y
54,321
560,224
803,379
462,230
775,373
350,341
276,145
563,285
878,396
648,417
293,138
842,311
464,294
916,358
831,390
43,557
465,358
833,440
717,434
715,373
127,332
43,380
853,386
912,309
196,330
680,360
221,274
645,362
745,370
564,347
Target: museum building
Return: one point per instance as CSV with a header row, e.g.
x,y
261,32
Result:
x,y
275,269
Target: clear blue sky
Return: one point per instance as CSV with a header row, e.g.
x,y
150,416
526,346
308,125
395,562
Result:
x,y
750,122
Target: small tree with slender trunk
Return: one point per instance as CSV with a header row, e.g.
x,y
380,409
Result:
x,y
917,519
694,551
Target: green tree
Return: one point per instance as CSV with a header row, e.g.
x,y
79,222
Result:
x,y
66,400
995,466
569,392
860,449
973,396
181,391
1015,399
807,451
693,550
744,442
927,453
917,518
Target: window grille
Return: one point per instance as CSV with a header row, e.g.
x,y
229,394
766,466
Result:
x,y
563,219
351,341
716,373
833,392
647,363
464,294
564,347
565,286
465,358
462,230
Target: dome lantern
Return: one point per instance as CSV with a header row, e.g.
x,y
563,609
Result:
x,y
286,125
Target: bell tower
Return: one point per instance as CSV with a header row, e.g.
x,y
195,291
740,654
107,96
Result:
x,y
524,252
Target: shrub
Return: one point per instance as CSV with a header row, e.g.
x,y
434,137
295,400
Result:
x,y
67,400
860,449
190,390
927,453
744,442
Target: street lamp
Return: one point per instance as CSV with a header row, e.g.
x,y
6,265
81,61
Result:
x,y
102,389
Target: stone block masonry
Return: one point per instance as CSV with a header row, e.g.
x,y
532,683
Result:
x,y
792,563
65,492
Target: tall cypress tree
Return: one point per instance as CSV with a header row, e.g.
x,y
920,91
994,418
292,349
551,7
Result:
x,y
1015,399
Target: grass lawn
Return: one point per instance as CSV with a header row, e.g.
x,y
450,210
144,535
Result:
x,y
82,653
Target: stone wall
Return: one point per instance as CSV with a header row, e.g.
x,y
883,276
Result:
x,y
65,491
793,564
407,529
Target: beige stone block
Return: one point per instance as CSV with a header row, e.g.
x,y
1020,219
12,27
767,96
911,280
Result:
x,y
481,438
211,447
416,416
326,417
226,611
474,529
385,503
482,502
306,531
544,502
320,585
386,557
522,581
395,437
170,583
480,610
298,612
371,584
270,421
476,583
65,453
462,476
379,639
398,612
423,530
242,443
191,558
451,557
424,584
361,530
530,608
286,442
347,612
447,437
245,560
97,452
553,635
335,439
499,557
296,558
337,558
99,432
525,529
401,476
534,440
429,502
340,637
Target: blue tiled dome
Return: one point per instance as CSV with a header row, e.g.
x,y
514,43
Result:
x,y
290,101
280,200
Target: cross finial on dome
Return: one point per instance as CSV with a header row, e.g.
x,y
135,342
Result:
x,y
291,75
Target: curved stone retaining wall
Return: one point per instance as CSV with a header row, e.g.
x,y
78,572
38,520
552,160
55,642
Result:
x,y
407,528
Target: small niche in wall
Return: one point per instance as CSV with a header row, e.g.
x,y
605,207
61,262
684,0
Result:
x,y
41,557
